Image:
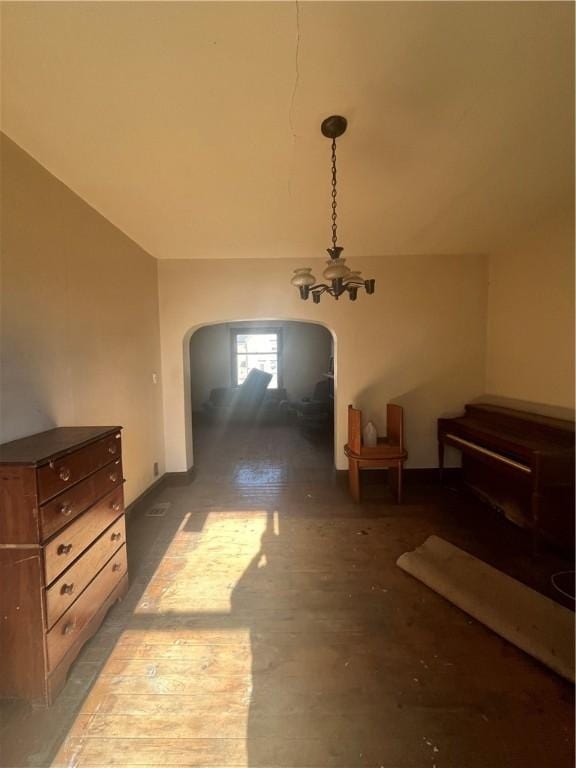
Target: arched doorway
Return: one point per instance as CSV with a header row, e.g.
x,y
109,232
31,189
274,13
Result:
x,y
261,382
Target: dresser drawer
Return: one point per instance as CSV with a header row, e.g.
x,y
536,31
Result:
x,y
105,450
76,537
64,633
68,587
61,510
108,478
61,473
64,508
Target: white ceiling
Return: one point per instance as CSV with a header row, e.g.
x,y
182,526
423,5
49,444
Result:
x,y
194,127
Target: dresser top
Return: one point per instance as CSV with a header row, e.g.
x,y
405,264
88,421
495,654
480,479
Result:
x,y
40,448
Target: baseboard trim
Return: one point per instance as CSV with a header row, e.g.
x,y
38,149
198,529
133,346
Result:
x,y
179,478
411,475
431,475
168,478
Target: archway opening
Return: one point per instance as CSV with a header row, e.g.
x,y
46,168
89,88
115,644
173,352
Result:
x,y
262,392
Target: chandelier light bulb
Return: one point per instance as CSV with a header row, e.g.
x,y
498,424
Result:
x,y
336,270
303,277
355,277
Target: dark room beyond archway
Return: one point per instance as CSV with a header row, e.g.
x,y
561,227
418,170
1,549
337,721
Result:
x,y
262,391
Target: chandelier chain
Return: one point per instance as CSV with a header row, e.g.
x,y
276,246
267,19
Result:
x,y
334,214
340,279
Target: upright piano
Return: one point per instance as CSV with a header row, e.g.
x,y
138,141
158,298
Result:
x,y
521,463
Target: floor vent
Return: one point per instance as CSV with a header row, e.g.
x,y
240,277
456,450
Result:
x,y
159,509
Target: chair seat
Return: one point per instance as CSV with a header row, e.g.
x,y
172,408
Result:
x,y
382,451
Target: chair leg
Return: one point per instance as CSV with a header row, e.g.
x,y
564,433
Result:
x,y
395,480
399,484
354,479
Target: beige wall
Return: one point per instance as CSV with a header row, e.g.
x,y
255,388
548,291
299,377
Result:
x,y
80,336
79,321
419,341
306,350
530,340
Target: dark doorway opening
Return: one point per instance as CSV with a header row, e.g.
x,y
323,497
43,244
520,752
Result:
x,y
262,394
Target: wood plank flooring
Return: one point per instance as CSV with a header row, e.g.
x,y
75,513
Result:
x,y
267,625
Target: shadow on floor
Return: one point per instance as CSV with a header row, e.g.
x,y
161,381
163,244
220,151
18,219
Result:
x,y
267,625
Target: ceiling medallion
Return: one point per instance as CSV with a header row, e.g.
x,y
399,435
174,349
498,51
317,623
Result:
x,y
341,278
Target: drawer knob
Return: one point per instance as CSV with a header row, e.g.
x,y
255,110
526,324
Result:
x,y
112,449
116,506
67,589
70,626
65,509
64,549
116,567
116,536
64,474
113,476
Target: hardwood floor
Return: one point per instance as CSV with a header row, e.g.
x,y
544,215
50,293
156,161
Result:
x,y
268,625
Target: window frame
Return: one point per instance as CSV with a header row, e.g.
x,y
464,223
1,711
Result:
x,y
256,329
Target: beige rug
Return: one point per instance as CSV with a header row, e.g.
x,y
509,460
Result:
x,y
534,623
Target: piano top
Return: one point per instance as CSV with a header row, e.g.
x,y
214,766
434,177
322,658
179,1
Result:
x,y
489,411
524,431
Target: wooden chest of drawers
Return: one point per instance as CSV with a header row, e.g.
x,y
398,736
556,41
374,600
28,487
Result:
x,y
62,552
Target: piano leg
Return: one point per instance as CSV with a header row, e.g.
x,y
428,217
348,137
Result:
x,y
441,460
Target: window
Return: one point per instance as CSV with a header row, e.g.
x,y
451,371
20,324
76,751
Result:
x,y
256,348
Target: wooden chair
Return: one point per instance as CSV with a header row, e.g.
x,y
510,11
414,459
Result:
x,y
389,453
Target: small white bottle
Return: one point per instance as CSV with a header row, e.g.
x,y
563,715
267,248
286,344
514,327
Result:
x,y
369,435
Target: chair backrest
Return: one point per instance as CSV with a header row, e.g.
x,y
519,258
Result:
x,y
395,424
354,429
251,392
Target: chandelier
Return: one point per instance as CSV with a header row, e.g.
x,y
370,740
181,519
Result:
x,y
340,279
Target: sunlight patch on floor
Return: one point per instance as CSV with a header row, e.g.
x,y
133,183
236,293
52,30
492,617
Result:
x,y
178,681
